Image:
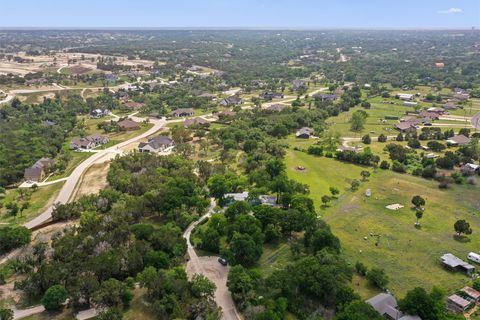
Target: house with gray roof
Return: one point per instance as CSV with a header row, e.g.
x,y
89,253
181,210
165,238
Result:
x,y
183,112
156,144
304,133
196,122
386,305
232,101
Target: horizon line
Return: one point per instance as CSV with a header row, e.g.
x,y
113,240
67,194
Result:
x,y
239,28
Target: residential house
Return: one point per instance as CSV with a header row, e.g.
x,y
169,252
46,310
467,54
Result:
x,y
346,148
268,200
470,169
451,105
386,305
88,142
156,144
196,122
98,113
128,125
38,170
458,140
406,126
239,196
429,115
453,263
405,96
264,199
269,95
222,115
457,304
183,112
134,105
232,101
439,111
325,97
298,84
304,133
439,65
277,107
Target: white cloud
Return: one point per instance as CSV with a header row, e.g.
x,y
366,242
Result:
x,y
451,10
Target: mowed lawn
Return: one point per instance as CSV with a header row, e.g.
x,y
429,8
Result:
x,y
410,256
321,173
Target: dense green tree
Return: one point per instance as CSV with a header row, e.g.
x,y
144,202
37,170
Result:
x,y
54,298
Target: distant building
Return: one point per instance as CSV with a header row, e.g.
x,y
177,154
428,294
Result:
x,y
269,95
304,133
440,65
458,140
232,101
134,105
453,263
457,304
156,144
470,169
386,305
241,196
128,125
325,97
410,104
405,96
471,293
264,199
98,113
196,122
183,112
88,142
38,170
406,126
439,111
346,148
451,105
222,115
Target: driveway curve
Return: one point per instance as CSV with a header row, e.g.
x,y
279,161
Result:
x,y
212,269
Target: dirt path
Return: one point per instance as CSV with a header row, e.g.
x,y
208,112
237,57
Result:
x,y
213,270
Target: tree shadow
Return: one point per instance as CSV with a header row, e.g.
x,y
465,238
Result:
x,y
461,238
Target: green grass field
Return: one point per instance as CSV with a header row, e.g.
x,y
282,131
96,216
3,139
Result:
x,y
409,255
38,201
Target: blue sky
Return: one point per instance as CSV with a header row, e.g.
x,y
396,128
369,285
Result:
x,y
241,13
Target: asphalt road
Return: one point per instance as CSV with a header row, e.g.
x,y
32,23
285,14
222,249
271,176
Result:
x,y
476,120
213,270
71,182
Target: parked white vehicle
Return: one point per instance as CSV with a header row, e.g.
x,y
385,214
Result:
x,y
475,257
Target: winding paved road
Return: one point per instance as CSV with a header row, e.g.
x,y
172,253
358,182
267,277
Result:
x,y
71,182
212,269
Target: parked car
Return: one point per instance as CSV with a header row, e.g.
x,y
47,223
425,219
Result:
x,y
222,261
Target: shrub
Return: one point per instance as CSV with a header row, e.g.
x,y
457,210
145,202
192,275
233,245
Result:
x,y
361,269
54,298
